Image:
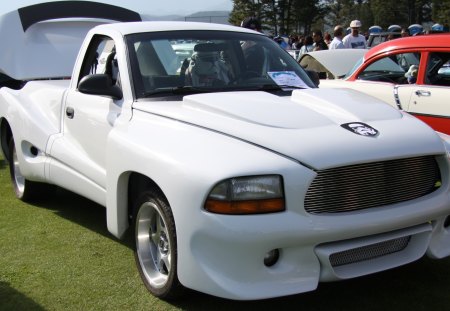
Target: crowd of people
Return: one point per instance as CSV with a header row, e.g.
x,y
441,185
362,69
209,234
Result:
x,y
350,38
319,41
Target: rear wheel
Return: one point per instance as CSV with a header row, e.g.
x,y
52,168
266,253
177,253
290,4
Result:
x,y
156,245
24,189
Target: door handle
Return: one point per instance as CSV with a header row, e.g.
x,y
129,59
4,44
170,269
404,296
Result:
x,y
423,93
70,112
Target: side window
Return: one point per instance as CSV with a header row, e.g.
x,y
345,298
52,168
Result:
x,y
438,69
391,68
101,58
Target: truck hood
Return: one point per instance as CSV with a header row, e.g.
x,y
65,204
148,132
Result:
x,y
338,62
307,125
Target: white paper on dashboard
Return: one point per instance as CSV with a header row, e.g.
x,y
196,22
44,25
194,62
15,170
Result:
x,y
287,79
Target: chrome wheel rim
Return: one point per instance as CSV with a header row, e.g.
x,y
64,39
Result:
x,y
153,245
19,180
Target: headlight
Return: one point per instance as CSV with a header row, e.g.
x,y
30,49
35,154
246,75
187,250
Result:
x,y
247,195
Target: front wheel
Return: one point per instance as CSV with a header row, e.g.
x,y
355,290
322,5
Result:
x,y
156,245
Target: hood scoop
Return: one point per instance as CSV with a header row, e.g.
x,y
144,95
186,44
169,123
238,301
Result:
x,y
259,108
305,109
345,105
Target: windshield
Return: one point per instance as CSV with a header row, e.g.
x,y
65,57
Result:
x,y
358,63
181,62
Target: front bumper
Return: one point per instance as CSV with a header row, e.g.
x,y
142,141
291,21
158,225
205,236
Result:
x,y
227,252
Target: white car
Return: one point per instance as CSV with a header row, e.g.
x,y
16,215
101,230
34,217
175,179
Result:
x,y
237,176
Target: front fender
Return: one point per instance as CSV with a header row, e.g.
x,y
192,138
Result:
x,y
185,162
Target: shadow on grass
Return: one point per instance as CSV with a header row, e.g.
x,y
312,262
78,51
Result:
x,y
80,210
2,163
10,299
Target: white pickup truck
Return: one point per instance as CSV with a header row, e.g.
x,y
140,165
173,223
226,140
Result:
x,y
238,177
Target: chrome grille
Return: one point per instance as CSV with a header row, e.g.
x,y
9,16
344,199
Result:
x,y
369,252
362,186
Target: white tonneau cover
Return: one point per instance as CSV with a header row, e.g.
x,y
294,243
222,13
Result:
x,y
42,40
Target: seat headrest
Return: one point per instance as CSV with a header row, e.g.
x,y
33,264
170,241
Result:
x,y
209,47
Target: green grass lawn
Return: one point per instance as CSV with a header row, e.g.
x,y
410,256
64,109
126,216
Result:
x,y
58,255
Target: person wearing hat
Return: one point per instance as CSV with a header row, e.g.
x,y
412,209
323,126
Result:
x,y
355,40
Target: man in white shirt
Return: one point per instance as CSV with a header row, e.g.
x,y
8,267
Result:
x,y
336,43
354,40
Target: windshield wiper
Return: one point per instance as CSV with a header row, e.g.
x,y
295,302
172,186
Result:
x,y
291,87
178,90
278,87
183,90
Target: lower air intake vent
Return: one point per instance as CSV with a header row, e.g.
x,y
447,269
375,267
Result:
x,y
362,186
369,252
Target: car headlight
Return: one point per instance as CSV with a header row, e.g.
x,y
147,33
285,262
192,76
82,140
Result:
x,y
247,195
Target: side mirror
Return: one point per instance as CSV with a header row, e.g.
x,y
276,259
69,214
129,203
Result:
x,y
314,76
99,84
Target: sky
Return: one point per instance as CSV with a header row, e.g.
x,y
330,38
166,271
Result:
x,y
149,7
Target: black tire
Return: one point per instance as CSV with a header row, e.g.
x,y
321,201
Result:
x,y
155,245
24,189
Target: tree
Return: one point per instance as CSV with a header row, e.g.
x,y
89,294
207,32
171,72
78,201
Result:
x,y
389,12
279,16
244,8
264,10
401,12
340,12
306,13
418,11
441,11
287,16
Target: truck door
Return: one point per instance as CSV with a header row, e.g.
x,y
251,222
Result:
x,y
430,101
88,119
